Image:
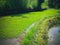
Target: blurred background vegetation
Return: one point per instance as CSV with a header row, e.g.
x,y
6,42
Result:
x,y
27,5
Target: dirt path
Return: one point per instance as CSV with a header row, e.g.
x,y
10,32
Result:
x,y
16,41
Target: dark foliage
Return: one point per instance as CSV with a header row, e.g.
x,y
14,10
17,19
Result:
x,y
19,6
54,4
39,4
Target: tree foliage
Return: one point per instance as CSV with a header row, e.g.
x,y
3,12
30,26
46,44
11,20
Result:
x,y
54,3
20,5
17,4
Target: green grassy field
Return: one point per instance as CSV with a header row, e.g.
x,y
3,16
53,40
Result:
x,y
33,36
11,27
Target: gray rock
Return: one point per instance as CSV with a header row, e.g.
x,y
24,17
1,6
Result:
x,y
54,36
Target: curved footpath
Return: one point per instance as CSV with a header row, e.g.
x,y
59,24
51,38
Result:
x,y
16,41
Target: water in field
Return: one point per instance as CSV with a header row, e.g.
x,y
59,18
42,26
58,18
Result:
x,y
54,36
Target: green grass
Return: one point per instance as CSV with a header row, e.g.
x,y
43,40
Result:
x,y
32,37
13,26
28,38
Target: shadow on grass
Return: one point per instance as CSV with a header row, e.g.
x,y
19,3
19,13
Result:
x,y
12,13
17,12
